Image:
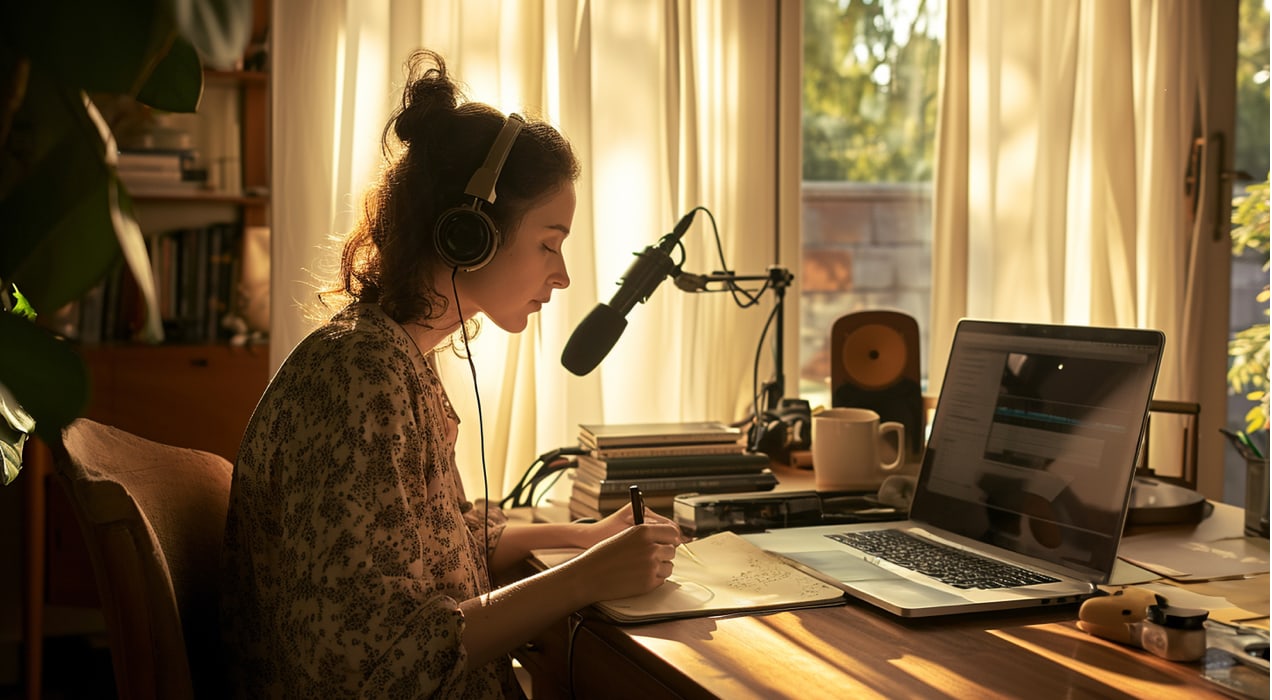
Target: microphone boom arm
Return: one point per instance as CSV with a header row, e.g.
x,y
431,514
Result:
x,y
778,279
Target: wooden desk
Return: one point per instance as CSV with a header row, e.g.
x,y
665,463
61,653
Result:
x,y
859,651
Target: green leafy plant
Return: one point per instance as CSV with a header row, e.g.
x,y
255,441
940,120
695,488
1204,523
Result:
x,y
1248,348
65,218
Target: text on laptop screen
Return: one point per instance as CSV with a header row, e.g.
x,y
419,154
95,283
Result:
x,y
1035,443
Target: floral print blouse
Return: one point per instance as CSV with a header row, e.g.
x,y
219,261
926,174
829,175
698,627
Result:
x,y
349,543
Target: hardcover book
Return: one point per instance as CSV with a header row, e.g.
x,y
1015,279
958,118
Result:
x,y
760,481
700,448
603,436
685,465
584,506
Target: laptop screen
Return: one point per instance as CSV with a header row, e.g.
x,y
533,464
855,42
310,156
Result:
x,y
1035,436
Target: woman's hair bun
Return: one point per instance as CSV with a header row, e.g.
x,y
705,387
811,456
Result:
x,y
429,94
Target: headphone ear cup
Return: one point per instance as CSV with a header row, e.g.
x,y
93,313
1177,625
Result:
x,y
465,238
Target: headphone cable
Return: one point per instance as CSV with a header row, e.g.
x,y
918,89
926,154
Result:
x,y
481,431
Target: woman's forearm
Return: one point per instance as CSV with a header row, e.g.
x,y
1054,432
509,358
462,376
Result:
x,y
519,539
630,562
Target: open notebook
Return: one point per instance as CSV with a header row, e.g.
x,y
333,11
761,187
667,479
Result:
x,y
715,575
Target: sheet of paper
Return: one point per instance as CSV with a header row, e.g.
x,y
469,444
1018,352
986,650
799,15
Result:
x,y
1190,560
1126,574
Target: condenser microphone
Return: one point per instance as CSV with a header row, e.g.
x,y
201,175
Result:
x,y
600,329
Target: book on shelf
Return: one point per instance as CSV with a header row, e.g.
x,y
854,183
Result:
x,y
160,172
681,465
604,436
715,575
134,178
221,256
168,189
89,328
155,160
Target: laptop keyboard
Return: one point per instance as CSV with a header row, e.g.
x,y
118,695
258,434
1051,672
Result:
x,y
948,565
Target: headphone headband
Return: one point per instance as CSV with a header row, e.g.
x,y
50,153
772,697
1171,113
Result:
x,y
482,184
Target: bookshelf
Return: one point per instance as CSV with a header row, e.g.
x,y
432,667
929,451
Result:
x,y
198,388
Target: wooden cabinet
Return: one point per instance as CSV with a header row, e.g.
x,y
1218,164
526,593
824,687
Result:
x,y
198,396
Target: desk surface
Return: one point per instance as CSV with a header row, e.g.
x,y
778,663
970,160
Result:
x,y
854,651
860,651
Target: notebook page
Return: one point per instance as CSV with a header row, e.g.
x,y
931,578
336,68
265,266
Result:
x,y
719,574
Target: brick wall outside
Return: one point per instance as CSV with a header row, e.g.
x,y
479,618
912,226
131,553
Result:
x,y
866,247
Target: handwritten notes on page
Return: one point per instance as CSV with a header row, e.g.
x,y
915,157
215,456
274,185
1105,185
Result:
x,y
716,575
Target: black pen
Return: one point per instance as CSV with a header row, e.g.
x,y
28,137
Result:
x,y
638,505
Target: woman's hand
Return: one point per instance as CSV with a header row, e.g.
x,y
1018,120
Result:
x,y
632,561
620,520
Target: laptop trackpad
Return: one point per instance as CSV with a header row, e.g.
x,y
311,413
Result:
x,y
837,565
874,582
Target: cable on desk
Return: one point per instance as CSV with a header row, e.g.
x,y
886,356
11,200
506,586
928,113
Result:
x,y
574,622
549,464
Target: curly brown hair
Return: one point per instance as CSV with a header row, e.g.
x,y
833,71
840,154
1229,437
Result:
x,y
432,144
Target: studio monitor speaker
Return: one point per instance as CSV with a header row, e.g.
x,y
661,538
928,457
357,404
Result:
x,y
874,364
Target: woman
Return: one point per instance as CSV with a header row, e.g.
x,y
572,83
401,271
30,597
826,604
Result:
x,y
354,565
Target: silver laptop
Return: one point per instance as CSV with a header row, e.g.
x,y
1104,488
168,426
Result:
x,y
1029,465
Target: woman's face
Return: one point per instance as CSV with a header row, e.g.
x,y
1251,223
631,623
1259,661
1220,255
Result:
x,y
521,277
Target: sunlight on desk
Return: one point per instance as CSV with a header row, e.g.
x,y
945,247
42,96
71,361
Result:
x,y
1098,660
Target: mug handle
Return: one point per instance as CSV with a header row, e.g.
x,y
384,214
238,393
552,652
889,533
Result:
x,y
899,429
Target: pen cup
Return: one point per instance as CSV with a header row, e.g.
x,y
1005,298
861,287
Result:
x,y
1256,497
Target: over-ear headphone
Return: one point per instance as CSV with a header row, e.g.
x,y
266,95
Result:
x,y
464,235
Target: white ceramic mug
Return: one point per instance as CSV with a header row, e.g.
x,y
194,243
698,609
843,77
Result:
x,y
846,450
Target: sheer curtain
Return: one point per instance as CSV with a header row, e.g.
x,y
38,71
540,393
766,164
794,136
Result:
x,y
670,105
1065,136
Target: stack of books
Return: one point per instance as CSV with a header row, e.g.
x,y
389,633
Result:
x,y
160,171
664,460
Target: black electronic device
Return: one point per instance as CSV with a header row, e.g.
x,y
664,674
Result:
x,y
464,235
702,514
699,515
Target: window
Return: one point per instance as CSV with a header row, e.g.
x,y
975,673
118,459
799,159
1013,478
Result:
x,y
870,80
870,76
